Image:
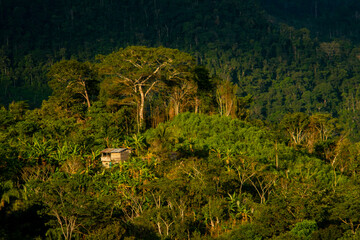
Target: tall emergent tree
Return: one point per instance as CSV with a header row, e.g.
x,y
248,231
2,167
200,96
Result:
x,y
70,79
131,74
226,97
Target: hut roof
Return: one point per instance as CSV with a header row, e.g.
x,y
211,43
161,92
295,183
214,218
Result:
x,y
114,150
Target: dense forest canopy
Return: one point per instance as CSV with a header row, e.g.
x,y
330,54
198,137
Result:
x,y
242,118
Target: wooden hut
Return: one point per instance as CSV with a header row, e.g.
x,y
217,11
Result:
x,y
111,156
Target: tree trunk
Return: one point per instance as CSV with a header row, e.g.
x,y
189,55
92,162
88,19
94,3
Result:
x,y
141,108
197,103
87,99
176,108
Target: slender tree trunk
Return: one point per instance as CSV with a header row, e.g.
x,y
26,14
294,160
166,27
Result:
x,y
85,93
87,99
176,108
141,107
197,103
229,106
276,156
159,228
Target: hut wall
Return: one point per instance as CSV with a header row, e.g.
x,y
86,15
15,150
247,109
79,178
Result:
x,y
116,156
125,155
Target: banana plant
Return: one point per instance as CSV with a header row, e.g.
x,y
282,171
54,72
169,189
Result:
x,y
38,151
66,151
236,209
137,141
10,195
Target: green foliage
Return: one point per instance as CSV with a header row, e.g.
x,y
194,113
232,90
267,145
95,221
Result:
x,y
135,73
304,229
108,232
295,124
70,203
281,66
198,134
331,232
244,232
196,176
73,82
345,207
9,193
